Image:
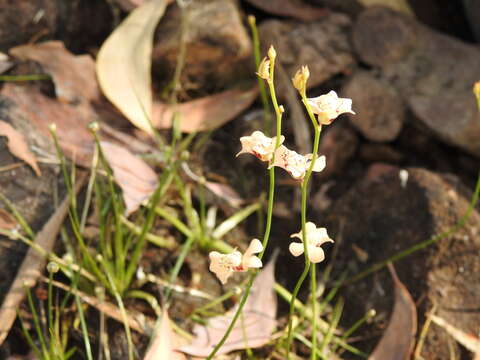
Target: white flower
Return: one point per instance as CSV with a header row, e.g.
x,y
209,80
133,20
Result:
x,y
224,265
259,145
297,165
328,107
316,237
264,69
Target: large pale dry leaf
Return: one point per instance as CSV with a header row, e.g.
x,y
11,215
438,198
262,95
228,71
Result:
x,y
470,341
225,192
164,342
17,144
5,63
73,76
253,331
33,264
397,5
292,8
399,337
206,113
124,62
136,179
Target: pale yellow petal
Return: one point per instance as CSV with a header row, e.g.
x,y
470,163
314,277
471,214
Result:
x,y
315,254
296,249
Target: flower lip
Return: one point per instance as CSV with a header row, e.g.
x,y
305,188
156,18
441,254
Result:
x,y
329,106
315,238
295,164
259,145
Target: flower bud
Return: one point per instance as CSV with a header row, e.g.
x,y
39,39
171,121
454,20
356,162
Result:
x,y
251,20
94,126
476,91
52,267
272,54
264,69
300,79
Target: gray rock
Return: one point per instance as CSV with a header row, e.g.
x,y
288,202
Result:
x,y
433,72
379,109
323,45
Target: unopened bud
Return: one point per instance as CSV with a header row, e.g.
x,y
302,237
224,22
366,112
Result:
x,y
371,313
94,126
281,109
52,127
251,20
52,267
272,54
476,91
300,79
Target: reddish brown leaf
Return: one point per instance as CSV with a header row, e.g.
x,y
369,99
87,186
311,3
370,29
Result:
x,y
164,342
253,331
206,113
73,76
34,108
7,221
137,180
399,337
291,8
17,144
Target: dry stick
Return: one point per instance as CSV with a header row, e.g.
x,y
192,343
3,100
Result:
x,y
33,264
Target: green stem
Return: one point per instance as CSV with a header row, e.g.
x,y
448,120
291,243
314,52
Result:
x,y
314,311
32,77
271,194
317,128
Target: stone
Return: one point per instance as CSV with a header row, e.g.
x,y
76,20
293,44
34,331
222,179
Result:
x,y
379,109
216,42
433,72
382,218
323,45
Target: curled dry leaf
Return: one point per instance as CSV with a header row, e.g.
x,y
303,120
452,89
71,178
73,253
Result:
x,y
291,8
124,62
164,342
17,144
206,113
34,263
136,179
252,331
399,337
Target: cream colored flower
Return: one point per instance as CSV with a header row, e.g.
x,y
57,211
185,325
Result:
x,y
264,69
316,237
328,107
297,165
259,145
224,265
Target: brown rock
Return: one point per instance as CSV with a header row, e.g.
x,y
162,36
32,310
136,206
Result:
x,y
323,45
22,21
338,144
216,43
382,218
380,152
429,69
380,112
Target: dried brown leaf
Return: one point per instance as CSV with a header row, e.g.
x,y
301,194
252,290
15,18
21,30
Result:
x,y
17,144
73,76
137,180
469,341
33,264
7,221
225,192
206,113
164,342
124,62
399,337
291,8
252,331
